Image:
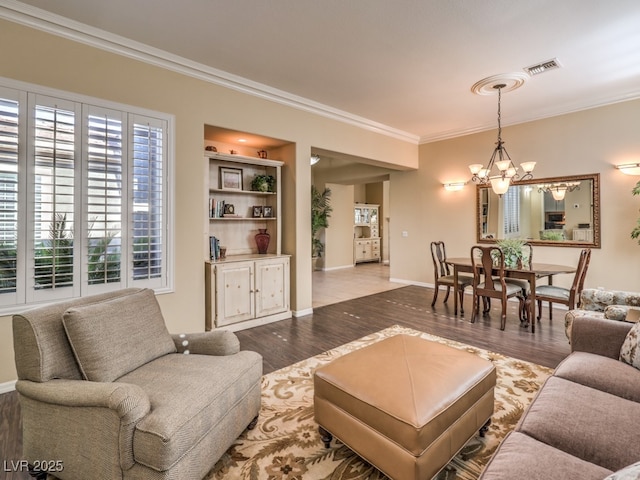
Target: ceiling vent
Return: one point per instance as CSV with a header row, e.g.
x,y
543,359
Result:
x,y
543,67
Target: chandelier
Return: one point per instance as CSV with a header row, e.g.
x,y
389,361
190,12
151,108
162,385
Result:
x,y
559,189
506,170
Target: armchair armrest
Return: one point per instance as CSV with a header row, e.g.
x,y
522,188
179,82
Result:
x,y
60,415
598,335
597,300
215,342
130,402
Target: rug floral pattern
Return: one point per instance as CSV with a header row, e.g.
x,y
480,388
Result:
x,y
286,445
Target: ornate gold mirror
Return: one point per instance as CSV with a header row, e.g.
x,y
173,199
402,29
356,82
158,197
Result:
x,y
559,212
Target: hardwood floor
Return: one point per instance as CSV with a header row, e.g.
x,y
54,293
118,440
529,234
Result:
x,y
288,341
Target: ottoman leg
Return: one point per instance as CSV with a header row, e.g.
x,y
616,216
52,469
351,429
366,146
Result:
x,y
484,428
325,436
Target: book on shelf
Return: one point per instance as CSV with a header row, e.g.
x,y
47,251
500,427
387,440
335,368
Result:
x,y
216,208
214,248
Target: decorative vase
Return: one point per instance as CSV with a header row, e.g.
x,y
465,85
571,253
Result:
x,y
262,240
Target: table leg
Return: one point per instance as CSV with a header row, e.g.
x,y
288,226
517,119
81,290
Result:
x,y
455,290
532,304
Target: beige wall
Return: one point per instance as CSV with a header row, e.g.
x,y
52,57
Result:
x,y
591,141
339,235
54,62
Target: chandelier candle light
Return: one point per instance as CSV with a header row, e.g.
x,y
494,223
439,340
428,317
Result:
x,y
507,171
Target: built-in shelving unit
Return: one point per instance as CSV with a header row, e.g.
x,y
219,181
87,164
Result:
x,y
244,288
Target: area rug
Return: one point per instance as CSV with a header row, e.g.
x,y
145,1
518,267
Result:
x,y
286,445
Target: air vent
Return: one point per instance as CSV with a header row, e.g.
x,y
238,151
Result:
x,y
543,67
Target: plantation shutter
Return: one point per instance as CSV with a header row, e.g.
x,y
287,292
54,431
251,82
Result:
x,y
148,225
53,261
512,212
104,192
10,146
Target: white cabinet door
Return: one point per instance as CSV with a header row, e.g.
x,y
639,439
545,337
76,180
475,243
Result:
x,y
234,293
272,286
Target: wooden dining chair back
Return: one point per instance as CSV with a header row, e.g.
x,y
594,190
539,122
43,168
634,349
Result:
x,y
489,281
443,276
525,286
565,296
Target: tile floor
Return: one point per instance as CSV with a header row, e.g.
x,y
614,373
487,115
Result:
x,y
344,284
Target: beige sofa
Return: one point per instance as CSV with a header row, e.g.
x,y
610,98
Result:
x,y
106,392
583,423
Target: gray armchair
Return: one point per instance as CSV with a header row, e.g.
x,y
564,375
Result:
x,y
106,392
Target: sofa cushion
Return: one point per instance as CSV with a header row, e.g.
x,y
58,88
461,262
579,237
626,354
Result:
x,y
629,352
522,457
602,373
114,337
575,419
190,395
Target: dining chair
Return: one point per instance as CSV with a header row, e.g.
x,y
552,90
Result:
x,y
443,276
564,296
494,285
527,250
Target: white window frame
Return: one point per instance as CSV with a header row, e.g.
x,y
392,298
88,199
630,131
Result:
x,y
25,295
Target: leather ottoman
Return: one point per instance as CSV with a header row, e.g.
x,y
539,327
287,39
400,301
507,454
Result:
x,y
404,404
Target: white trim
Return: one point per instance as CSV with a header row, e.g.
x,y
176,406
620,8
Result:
x,y
341,267
302,313
7,387
410,282
39,19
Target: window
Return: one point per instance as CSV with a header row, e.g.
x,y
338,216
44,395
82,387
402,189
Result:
x,y
84,197
511,212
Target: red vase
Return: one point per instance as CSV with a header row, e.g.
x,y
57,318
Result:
x,y
262,240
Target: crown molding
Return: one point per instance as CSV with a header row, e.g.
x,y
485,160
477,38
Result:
x,y
18,12
565,110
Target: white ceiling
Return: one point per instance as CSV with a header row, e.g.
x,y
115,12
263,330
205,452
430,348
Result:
x,y
406,66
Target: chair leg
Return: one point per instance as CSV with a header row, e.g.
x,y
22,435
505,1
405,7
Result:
x,y
435,295
446,297
550,311
539,310
503,317
474,308
461,298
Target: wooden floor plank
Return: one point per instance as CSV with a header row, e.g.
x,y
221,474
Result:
x,y
288,341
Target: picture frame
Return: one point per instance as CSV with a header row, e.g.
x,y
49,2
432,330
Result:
x,y
257,211
231,179
267,211
229,209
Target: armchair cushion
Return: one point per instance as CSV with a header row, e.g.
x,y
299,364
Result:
x,y
632,472
187,404
108,346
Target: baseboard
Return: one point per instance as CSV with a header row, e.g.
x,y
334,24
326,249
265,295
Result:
x,y
342,267
7,387
302,313
410,282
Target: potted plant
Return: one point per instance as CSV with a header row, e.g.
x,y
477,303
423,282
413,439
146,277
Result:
x,y
320,212
513,254
263,183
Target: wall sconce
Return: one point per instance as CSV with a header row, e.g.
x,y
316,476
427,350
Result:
x,y
629,168
454,186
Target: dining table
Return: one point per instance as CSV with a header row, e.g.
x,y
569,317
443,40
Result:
x,y
530,273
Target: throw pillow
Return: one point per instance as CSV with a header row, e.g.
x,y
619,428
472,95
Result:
x,y
112,338
632,472
630,351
